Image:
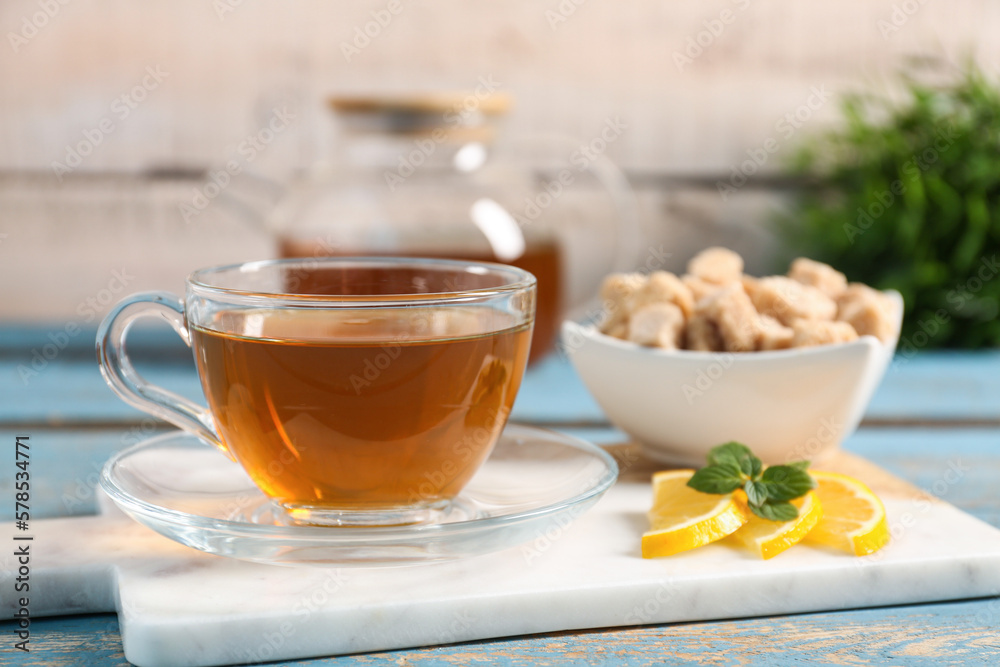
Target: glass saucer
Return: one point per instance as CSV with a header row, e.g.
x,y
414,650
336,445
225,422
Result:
x,y
188,490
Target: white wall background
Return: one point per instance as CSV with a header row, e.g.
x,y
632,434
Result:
x,y
63,65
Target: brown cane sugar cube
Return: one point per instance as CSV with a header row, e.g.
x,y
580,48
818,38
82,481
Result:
x,y
821,332
823,277
868,311
699,288
616,291
732,312
788,300
716,265
772,334
620,286
619,330
662,287
702,334
657,325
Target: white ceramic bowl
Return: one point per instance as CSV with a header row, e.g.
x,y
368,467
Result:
x,y
785,405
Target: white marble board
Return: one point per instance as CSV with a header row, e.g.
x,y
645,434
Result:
x,y
178,606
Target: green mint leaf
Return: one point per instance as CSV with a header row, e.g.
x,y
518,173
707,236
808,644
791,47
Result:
x,y
731,452
756,492
751,466
799,465
775,511
738,455
786,483
719,478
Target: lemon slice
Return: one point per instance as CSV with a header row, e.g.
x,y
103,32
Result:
x,y
853,517
683,518
770,538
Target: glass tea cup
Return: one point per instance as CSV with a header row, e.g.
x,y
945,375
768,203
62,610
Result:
x,y
353,391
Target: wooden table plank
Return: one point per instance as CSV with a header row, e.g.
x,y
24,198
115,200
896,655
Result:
x,y
66,463
73,392
955,462
930,387
67,641
954,633
960,465
940,386
66,466
934,386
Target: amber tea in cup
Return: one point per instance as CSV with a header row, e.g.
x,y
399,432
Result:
x,y
351,391
356,412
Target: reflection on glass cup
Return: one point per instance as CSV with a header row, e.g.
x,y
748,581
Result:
x,y
353,391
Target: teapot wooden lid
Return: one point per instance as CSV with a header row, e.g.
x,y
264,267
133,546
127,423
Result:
x,y
422,103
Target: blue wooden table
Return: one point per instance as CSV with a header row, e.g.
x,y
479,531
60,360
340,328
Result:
x,y
931,409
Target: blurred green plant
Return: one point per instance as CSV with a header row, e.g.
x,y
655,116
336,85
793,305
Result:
x,y
907,196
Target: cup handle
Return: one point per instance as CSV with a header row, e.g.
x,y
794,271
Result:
x,y
124,380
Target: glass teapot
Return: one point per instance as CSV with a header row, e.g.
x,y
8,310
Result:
x,y
424,175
